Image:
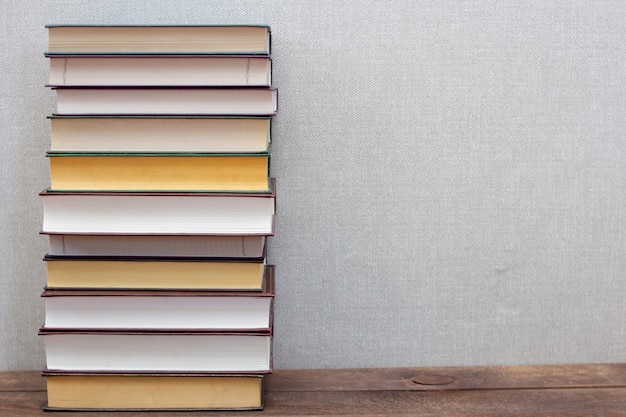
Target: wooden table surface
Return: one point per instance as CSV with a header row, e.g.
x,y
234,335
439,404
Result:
x,y
556,390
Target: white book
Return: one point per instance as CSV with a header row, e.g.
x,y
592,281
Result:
x,y
158,213
157,352
193,246
159,310
155,70
159,101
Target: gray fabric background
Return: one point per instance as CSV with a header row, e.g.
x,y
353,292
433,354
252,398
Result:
x,y
451,176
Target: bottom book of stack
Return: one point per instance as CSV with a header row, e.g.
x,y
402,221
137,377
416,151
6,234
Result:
x,y
157,350
153,391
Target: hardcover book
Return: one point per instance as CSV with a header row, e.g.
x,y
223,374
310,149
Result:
x,y
160,70
171,133
160,310
158,213
153,391
156,273
159,172
214,247
162,100
162,39
157,351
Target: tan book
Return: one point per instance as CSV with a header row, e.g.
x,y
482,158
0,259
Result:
x,y
159,134
67,391
163,39
154,274
158,172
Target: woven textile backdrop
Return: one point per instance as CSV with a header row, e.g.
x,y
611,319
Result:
x,y
451,176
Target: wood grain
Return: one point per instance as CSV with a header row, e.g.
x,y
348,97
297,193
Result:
x,y
452,378
563,390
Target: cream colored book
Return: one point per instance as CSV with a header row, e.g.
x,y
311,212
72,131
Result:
x,y
221,101
158,70
160,39
159,134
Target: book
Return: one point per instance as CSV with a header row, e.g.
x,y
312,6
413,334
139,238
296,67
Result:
x,y
159,70
158,213
162,39
161,391
154,351
158,172
155,273
159,134
183,246
158,293
160,310
249,101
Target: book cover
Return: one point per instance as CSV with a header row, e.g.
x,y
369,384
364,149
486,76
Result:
x,y
97,391
159,171
159,70
208,247
152,351
163,39
251,101
165,310
156,273
170,133
140,213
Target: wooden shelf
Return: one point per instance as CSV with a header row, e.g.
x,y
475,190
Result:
x,y
555,390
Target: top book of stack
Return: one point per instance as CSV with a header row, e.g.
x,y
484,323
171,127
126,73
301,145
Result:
x,y
163,39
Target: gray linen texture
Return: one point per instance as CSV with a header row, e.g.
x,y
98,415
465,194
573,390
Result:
x,y
451,176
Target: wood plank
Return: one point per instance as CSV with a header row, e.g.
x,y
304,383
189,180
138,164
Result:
x,y
540,402
568,390
22,381
579,402
449,378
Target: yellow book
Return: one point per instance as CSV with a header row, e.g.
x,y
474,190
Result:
x,y
150,273
158,172
153,392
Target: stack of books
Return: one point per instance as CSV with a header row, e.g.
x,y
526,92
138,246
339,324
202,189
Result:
x,y
158,293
